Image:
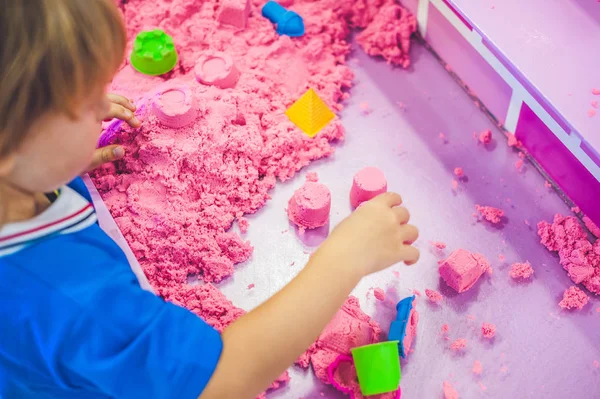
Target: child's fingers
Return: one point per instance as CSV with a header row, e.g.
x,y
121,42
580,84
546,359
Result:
x,y
125,102
106,154
120,112
402,214
409,234
409,254
389,199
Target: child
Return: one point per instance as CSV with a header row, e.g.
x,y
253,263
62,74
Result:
x,y
74,322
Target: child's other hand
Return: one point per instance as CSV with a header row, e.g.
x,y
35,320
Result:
x,y
377,235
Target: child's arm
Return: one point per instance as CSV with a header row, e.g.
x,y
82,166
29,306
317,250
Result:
x,y
259,346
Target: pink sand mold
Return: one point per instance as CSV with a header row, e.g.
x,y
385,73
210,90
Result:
x,y
216,68
310,205
462,269
578,256
368,183
175,107
235,13
574,298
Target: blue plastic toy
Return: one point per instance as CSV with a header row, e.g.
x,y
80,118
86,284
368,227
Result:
x,y
398,326
288,22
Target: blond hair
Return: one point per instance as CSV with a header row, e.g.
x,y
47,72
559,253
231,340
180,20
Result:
x,y
53,53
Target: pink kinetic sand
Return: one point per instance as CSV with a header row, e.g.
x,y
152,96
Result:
x,y
488,330
367,184
462,269
485,137
459,172
521,271
178,192
573,298
591,226
411,328
216,68
349,328
596,92
379,294
389,34
491,214
235,13
310,205
449,391
434,296
445,328
477,367
243,224
312,176
578,256
175,107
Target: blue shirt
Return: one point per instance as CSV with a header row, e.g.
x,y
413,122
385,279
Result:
x,y
74,322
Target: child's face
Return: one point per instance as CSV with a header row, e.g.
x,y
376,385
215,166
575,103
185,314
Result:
x,y
59,148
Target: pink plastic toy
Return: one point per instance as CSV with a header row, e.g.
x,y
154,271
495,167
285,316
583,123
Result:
x,y
217,69
175,107
367,184
235,13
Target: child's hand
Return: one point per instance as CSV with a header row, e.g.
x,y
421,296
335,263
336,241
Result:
x,y
121,108
377,234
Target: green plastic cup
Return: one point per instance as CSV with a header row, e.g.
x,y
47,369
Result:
x,y
377,367
153,53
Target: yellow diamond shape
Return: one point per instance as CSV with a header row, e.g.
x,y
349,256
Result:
x,y
310,113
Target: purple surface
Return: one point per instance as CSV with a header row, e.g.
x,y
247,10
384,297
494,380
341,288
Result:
x,y
468,64
552,44
539,351
559,163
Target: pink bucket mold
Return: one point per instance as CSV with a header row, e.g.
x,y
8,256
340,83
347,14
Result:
x,y
175,107
216,68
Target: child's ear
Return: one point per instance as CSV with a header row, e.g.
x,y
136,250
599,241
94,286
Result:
x,y
7,164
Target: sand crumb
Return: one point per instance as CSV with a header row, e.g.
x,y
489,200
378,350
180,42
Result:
x,y
574,298
521,271
459,345
434,296
477,367
488,330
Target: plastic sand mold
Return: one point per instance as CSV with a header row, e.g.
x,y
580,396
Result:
x,y
310,113
398,326
377,368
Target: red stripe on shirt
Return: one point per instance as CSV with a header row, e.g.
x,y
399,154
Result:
x,y
79,212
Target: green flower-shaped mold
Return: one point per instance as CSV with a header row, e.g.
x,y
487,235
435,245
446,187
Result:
x,y
153,53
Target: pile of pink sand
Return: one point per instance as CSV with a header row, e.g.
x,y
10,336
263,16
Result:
x,y
578,256
179,190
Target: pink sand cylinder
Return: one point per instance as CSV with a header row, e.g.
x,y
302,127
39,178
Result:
x,y
175,107
217,69
310,205
368,183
